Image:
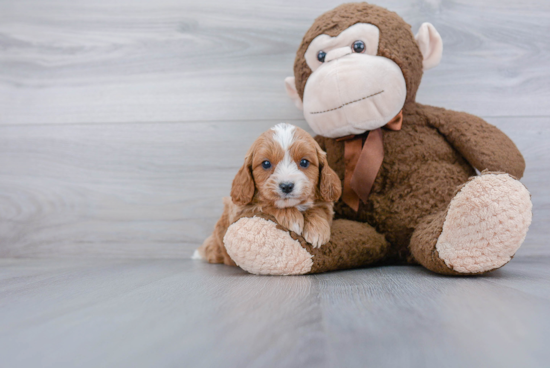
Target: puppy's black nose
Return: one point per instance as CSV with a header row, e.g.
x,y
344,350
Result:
x,y
286,187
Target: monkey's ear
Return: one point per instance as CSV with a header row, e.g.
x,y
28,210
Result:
x,y
431,45
243,188
290,85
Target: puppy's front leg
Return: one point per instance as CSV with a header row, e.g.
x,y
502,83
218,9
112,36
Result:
x,y
291,218
317,223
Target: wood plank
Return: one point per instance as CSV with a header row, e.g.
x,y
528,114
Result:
x,y
405,316
175,312
527,275
120,189
119,61
156,313
154,190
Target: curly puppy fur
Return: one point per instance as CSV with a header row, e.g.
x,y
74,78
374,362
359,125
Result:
x,y
307,209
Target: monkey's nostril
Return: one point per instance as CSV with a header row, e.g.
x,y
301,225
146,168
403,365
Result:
x,y
286,187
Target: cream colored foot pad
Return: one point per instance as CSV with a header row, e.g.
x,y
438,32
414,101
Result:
x,y
257,246
486,223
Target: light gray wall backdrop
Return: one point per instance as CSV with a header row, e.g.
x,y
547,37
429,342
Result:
x,y
122,123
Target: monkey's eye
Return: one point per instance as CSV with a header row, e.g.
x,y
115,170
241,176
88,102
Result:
x,y
321,56
266,164
304,163
359,46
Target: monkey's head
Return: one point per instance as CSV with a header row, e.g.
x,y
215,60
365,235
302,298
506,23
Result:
x,y
357,66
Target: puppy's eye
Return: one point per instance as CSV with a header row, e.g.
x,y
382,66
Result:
x,y
359,46
321,56
304,163
266,164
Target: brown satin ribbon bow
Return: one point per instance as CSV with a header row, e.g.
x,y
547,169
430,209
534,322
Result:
x,y
363,162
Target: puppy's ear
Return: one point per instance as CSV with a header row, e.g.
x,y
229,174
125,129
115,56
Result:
x,y
242,189
330,187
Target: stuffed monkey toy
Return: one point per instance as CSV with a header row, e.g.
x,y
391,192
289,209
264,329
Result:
x,y
411,194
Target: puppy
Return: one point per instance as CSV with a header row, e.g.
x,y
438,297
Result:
x,y
286,175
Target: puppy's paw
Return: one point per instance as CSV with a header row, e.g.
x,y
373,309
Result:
x,y
292,220
297,227
316,232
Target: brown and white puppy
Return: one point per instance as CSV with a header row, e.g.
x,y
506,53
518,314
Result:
x,y
285,174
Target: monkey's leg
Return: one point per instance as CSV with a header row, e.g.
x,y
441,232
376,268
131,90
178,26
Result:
x,y
260,246
481,229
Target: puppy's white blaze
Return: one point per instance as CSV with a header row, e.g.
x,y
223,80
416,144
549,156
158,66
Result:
x,y
287,168
288,172
284,134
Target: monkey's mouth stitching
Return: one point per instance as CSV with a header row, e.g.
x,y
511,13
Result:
x,y
347,103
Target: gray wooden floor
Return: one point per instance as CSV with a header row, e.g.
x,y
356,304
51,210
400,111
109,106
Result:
x,y
183,313
122,124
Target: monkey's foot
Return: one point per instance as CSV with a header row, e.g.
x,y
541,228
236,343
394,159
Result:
x,y
261,247
486,223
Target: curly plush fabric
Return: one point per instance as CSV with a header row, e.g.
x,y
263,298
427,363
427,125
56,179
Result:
x,y
258,246
421,170
486,223
426,205
396,41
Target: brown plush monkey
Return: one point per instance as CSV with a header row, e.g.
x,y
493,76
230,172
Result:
x,y
411,193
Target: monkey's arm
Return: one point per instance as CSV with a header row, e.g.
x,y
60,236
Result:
x,y
482,144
